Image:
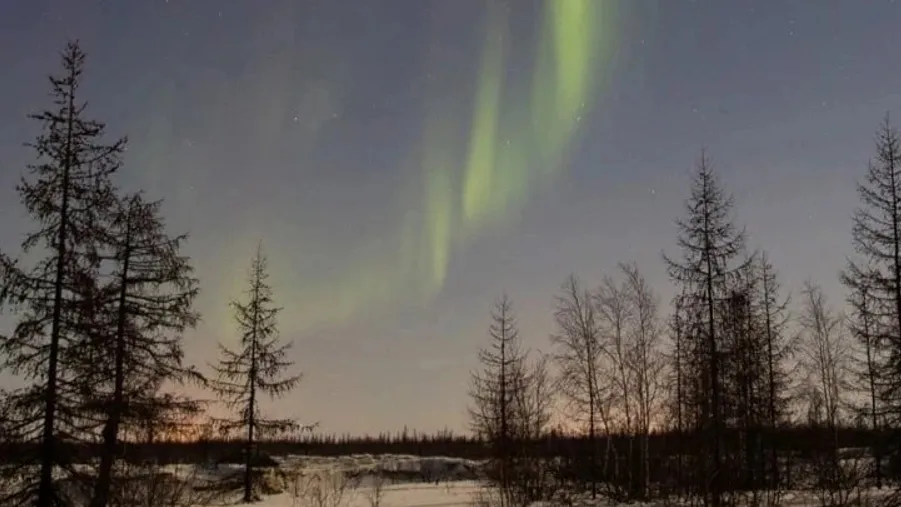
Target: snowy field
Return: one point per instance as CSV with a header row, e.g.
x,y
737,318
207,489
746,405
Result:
x,y
461,493
412,481
300,481
360,481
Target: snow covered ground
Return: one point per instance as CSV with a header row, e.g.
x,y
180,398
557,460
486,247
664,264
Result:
x,y
461,493
411,481
354,481
396,468
350,481
298,481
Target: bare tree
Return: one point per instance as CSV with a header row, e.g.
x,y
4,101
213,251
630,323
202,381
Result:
x,y
578,354
645,363
534,479
536,397
256,368
825,360
825,352
68,192
375,494
615,315
323,488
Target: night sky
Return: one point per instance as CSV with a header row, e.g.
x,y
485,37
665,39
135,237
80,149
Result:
x,y
406,161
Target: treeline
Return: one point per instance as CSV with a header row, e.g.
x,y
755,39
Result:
x,y
101,295
799,441
721,376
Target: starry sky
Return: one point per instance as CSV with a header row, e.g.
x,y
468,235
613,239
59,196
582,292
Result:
x,y
406,161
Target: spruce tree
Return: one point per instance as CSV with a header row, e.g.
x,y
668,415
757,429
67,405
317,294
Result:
x,y
494,392
712,258
256,367
863,324
68,192
744,378
777,350
148,296
678,327
876,236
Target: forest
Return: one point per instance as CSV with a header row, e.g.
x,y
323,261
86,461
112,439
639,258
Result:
x,y
726,394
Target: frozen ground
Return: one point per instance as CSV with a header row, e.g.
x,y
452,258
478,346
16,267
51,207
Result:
x,y
349,481
406,481
300,481
461,493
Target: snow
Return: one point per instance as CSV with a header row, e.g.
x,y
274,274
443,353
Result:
x,y
357,481
453,494
361,481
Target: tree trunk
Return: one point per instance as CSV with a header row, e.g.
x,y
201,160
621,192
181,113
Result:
x,y
46,491
111,430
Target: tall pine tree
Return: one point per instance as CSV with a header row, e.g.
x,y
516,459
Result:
x,y
148,297
255,368
712,258
68,192
863,324
876,236
777,349
494,393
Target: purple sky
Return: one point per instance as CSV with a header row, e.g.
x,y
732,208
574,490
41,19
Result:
x,y
293,122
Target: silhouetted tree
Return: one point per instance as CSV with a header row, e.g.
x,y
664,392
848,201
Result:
x,y
745,377
645,363
615,316
532,479
495,393
149,294
678,327
712,249
825,356
876,236
578,354
68,192
536,398
863,324
778,348
255,368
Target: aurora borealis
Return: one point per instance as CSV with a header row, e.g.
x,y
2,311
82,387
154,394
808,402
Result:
x,y
405,161
486,177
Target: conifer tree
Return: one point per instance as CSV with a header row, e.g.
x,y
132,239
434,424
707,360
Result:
x,y
777,349
255,368
863,324
876,236
148,297
68,192
494,393
712,258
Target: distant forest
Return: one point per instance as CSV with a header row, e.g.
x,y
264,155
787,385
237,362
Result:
x,y
801,441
